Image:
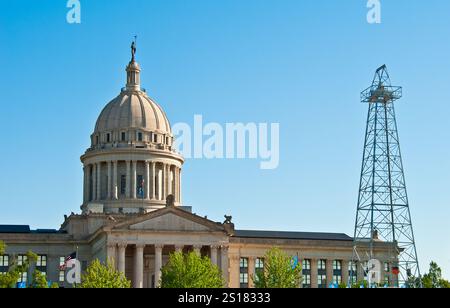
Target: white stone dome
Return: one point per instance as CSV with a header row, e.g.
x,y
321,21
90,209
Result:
x,y
133,110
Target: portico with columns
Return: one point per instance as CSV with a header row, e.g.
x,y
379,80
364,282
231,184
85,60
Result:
x,y
141,246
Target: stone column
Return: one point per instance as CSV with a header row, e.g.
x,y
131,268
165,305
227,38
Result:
x,y
153,176
134,180
109,196
251,271
122,257
147,181
180,199
128,183
198,249
170,179
329,271
139,267
214,251
111,254
94,182
165,181
160,185
225,264
115,179
99,181
345,276
158,263
85,185
175,184
314,273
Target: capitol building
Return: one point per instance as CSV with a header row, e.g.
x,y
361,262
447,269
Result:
x,y
133,214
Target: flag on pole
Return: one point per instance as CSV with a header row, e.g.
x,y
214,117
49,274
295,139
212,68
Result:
x,y
72,256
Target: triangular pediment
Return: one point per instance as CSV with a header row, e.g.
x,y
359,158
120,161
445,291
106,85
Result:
x,y
170,219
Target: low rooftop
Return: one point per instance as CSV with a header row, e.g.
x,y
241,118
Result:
x,y
292,235
24,229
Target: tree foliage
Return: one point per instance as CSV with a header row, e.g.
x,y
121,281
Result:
x,y
434,280
187,271
9,279
279,271
39,281
100,276
2,248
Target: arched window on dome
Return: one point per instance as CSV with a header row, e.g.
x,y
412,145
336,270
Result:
x,y
108,137
96,140
123,136
139,136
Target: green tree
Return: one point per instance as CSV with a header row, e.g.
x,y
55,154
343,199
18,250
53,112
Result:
x,y
100,276
39,281
434,280
190,271
2,248
279,271
9,280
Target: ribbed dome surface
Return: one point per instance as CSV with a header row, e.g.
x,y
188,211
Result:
x,y
133,109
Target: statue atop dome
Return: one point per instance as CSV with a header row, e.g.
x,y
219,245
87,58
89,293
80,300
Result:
x,y
133,50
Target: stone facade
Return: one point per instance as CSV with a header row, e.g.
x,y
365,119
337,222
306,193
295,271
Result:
x,y
132,213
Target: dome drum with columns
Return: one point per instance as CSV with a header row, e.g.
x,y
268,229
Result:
x,y
131,166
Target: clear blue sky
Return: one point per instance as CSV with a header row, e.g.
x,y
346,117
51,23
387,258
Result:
x,y
299,63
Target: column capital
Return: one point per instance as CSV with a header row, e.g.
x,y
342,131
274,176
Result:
x,y
140,246
235,257
159,246
198,246
122,245
179,247
111,245
214,246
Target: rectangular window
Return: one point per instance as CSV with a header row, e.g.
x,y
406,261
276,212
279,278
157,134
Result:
x,y
322,273
108,138
259,267
337,271
123,136
337,265
306,272
41,261
155,138
244,263
139,136
259,264
306,264
62,262
307,281
41,264
4,261
352,272
123,184
322,265
322,281
21,259
243,273
4,264
243,280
